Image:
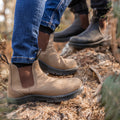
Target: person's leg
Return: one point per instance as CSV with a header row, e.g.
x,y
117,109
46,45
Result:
x,y
52,15
102,8
49,59
94,34
51,19
25,37
81,22
80,7
26,29
26,80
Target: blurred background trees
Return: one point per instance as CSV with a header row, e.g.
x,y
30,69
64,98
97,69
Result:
x,y
6,18
7,8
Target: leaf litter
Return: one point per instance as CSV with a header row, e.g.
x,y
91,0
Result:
x,y
84,106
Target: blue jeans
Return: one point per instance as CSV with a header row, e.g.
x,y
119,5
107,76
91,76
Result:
x,y
29,15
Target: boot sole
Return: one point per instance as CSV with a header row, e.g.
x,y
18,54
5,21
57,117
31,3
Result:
x,y
62,39
87,45
58,72
43,98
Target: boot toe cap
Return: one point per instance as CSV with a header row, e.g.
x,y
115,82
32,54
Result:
x,y
71,64
68,86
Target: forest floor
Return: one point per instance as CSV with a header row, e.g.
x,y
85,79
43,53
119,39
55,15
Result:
x,y
83,107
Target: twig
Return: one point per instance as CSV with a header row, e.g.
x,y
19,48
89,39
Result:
x,y
97,74
1,88
3,85
98,90
100,80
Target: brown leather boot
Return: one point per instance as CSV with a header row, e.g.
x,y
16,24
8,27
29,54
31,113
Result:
x,y
93,36
45,88
80,23
55,64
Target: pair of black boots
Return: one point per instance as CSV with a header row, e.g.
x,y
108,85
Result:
x,y
81,38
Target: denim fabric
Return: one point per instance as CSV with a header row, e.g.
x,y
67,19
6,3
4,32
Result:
x,y
27,19
28,14
53,12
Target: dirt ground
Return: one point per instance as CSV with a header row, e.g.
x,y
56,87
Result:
x,y
83,107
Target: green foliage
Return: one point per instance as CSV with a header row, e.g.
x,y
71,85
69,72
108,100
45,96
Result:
x,y
111,97
116,12
5,109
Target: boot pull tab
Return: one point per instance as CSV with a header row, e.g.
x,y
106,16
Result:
x,y
39,52
4,58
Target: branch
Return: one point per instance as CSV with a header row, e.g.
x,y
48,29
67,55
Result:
x,y
97,74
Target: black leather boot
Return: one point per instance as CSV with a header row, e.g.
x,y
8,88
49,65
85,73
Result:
x,y
73,30
91,37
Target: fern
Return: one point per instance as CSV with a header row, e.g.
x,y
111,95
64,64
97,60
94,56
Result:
x,y
111,97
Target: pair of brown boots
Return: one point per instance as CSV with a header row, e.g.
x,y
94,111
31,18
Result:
x,y
44,88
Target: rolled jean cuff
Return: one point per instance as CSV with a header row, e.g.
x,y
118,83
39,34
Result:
x,y
45,29
21,59
53,12
49,25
